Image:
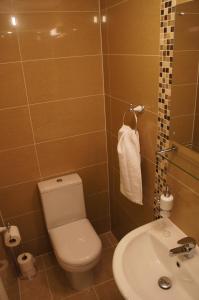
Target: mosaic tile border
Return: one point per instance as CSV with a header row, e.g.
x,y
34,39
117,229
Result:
x,y
167,27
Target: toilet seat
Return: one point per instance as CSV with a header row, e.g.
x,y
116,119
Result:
x,y
76,245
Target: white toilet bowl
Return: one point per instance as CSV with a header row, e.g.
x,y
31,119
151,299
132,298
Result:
x,y
77,248
76,245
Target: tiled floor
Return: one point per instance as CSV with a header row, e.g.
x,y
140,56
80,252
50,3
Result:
x,y
51,284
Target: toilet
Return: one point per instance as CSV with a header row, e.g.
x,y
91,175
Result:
x,y
76,245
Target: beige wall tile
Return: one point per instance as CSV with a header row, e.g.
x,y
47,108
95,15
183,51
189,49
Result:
x,y
186,208
11,85
186,38
129,31
135,79
184,178
180,133
185,67
97,206
18,165
63,78
5,5
31,225
52,5
19,199
15,128
183,99
196,131
188,7
8,39
72,153
108,3
147,128
102,225
95,179
59,34
67,118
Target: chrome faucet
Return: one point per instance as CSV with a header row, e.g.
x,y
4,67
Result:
x,y
186,249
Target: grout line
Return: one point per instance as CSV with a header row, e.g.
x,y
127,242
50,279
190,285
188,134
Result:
x,y
72,170
65,99
105,119
52,140
182,183
47,280
76,56
30,212
106,281
27,98
50,101
195,107
117,4
52,175
95,292
70,136
16,148
13,107
184,84
48,58
47,11
180,116
132,54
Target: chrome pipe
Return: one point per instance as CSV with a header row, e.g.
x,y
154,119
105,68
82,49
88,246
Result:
x,y
171,149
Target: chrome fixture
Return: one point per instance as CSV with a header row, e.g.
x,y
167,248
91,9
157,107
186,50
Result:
x,y
187,248
171,149
134,110
164,283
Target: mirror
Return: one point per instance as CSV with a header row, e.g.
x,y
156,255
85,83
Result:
x,y
184,124
185,88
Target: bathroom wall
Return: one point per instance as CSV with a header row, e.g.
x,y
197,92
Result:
x,y
131,33
185,74
52,118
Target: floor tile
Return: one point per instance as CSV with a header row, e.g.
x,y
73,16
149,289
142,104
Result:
x,y
39,263
85,295
103,271
49,260
108,291
112,239
59,286
106,243
35,289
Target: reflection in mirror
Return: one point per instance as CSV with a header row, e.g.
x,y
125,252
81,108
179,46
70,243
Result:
x,y
185,87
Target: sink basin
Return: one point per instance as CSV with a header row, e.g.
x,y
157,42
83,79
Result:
x,y
142,257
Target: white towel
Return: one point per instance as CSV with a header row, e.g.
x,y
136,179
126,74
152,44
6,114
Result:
x,y
130,164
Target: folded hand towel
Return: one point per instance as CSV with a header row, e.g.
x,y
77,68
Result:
x,y
130,164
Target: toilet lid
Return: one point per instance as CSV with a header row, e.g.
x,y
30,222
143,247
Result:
x,y
76,243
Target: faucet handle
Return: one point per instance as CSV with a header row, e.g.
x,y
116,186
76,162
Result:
x,y
187,240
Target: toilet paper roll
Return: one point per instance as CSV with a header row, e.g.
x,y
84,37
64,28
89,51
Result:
x,y
26,264
12,237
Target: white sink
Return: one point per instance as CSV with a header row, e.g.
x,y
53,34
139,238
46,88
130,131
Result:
x,y
142,257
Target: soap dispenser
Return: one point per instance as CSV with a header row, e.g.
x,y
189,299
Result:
x,y
166,203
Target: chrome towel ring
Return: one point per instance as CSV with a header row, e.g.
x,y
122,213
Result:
x,y
134,110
